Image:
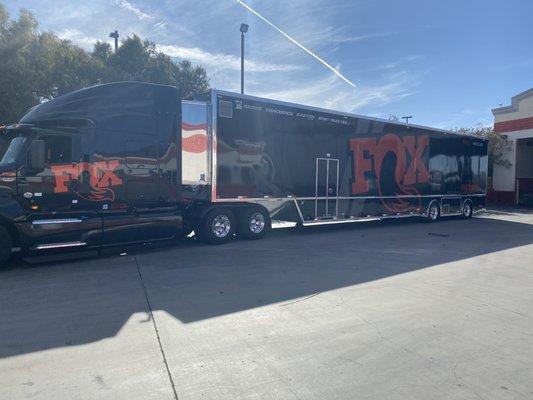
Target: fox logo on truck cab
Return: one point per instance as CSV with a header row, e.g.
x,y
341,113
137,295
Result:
x,y
100,174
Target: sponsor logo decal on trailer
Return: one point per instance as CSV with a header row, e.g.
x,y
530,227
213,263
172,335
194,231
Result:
x,y
410,169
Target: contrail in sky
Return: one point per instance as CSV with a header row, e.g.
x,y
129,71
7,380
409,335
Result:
x,y
296,43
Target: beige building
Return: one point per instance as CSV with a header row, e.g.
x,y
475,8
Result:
x,y
514,185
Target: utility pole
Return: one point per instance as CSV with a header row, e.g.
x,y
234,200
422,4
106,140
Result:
x,y
407,118
244,29
115,35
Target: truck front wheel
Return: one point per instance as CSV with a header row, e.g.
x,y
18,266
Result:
x,y
254,222
6,243
217,226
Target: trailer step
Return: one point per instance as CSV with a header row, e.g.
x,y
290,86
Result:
x,y
339,221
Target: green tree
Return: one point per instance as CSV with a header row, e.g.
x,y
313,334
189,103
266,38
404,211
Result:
x,y
60,67
499,146
139,60
16,90
38,66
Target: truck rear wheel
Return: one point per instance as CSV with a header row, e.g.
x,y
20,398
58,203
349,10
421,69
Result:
x,y
6,243
217,226
254,222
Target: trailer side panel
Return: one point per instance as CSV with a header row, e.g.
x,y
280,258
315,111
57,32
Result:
x,y
340,166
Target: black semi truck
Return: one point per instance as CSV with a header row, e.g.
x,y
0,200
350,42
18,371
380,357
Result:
x,y
132,162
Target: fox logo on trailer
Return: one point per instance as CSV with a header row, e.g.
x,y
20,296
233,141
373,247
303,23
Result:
x,y
411,167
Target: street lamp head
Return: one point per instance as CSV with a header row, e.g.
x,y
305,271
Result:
x,y
114,35
244,28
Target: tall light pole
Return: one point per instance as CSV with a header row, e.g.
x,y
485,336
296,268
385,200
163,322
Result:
x,y
244,29
114,35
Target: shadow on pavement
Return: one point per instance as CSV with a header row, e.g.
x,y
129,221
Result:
x,y
70,303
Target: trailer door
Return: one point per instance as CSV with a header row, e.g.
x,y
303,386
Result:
x,y
327,188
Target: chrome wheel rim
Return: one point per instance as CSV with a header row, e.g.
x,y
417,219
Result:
x,y
433,212
467,210
221,226
256,222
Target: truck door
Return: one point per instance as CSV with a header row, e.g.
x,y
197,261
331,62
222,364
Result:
x,y
136,211
55,194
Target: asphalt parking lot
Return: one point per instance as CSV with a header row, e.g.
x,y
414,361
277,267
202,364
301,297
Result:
x,y
396,310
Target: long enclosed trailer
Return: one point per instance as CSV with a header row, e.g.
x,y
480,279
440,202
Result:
x,y
321,165
132,162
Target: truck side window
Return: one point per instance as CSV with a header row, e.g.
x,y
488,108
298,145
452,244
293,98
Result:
x,y
58,149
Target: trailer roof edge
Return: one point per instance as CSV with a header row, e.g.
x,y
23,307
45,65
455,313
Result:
x,y
342,113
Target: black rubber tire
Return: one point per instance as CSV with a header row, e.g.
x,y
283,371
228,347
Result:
x,y
6,243
463,212
205,232
244,217
429,218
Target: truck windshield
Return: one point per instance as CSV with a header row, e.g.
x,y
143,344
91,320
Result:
x,y
10,147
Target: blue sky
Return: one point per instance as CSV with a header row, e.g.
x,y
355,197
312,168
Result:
x,y
446,63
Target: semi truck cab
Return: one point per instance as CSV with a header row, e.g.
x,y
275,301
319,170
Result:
x,y
94,168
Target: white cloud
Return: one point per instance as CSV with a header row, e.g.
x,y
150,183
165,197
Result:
x,y
465,118
297,43
402,61
359,38
330,93
222,61
160,26
126,5
77,37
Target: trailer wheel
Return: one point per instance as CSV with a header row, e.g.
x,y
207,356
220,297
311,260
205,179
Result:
x,y
467,209
6,243
217,226
254,222
433,212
